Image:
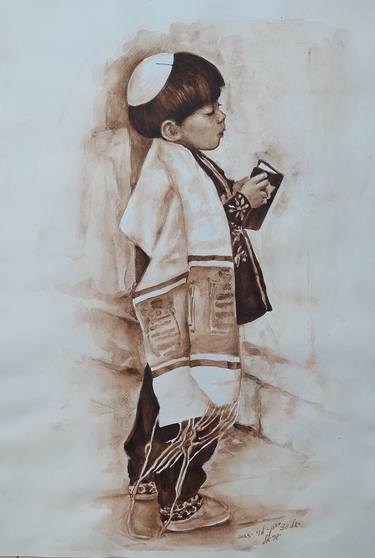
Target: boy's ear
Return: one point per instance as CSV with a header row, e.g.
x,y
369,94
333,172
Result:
x,y
170,131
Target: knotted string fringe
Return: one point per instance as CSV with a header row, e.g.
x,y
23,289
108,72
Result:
x,y
182,446
133,492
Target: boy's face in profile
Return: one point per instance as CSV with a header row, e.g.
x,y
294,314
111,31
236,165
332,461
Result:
x,y
203,129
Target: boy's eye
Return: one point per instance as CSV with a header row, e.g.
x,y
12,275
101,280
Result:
x,y
213,109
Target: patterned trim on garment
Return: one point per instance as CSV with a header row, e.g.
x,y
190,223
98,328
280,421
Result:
x,y
239,206
240,249
238,210
183,510
144,488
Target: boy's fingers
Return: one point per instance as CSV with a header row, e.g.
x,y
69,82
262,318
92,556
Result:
x,y
259,177
263,184
270,190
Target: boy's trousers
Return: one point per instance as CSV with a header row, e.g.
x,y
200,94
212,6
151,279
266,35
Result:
x,y
141,434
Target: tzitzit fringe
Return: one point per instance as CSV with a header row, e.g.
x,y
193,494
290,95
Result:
x,y
182,446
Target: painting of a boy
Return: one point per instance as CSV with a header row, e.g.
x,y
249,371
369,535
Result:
x,y
197,280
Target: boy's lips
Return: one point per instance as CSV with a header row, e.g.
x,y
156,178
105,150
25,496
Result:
x,y
221,133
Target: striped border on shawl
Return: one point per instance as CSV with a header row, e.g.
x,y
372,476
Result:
x,y
215,363
215,356
193,261
160,288
210,261
208,360
156,372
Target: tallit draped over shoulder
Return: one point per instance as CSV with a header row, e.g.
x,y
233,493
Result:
x,y
185,299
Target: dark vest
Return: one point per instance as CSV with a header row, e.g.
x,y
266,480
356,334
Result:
x,y
251,293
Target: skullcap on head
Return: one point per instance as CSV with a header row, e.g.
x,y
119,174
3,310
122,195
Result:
x,y
149,78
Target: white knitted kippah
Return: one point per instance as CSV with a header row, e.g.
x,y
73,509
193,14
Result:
x,y
149,78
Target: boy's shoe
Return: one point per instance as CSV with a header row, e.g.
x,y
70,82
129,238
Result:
x,y
142,519
145,491
211,513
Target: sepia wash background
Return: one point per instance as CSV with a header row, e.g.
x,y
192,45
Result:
x,y
72,359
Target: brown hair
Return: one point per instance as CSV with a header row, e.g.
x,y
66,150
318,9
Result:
x,y
192,83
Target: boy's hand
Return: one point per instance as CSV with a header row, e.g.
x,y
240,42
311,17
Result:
x,y
257,189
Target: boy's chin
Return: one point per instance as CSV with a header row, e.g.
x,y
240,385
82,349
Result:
x,y
203,146
212,146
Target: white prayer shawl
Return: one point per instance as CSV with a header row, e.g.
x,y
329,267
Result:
x,y
185,300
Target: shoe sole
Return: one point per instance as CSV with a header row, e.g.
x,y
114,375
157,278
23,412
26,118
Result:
x,y
178,528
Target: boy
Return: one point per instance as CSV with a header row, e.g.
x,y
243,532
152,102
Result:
x,y
197,279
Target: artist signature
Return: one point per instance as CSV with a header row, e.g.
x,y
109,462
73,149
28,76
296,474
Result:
x,y
270,532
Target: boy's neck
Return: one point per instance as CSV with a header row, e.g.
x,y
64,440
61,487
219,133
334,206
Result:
x,y
177,143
